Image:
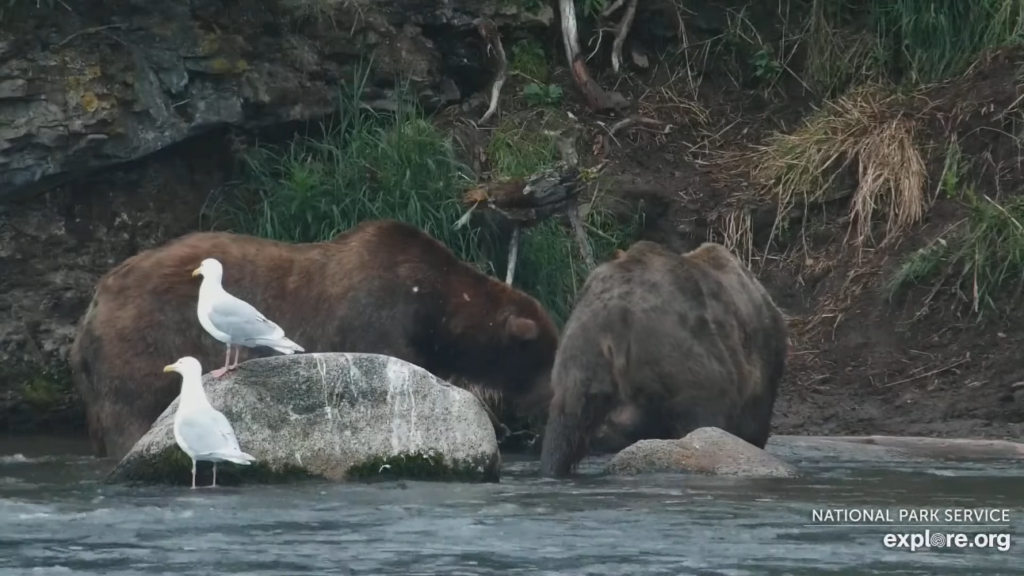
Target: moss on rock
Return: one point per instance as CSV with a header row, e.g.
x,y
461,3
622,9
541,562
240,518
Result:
x,y
173,466
429,466
40,398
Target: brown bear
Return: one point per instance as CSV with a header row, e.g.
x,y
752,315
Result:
x,y
670,343
384,287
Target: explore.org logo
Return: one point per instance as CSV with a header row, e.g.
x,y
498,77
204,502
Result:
x,y
916,529
923,540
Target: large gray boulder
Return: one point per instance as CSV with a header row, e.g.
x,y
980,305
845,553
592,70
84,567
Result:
x,y
708,450
332,416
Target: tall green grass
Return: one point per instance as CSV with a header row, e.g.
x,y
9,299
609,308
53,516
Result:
x,y
978,261
910,42
930,40
368,165
363,165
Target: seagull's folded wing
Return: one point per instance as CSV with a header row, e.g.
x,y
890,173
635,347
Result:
x,y
242,321
207,432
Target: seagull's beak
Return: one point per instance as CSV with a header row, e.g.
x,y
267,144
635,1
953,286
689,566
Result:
x,y
169,368
196,271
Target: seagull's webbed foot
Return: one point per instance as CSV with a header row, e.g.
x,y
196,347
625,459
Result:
x,y
219,372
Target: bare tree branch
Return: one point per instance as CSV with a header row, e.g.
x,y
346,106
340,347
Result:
x,y
490,33
612,8
621,31
576,220
513,255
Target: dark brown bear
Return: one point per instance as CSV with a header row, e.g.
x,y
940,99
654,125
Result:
x,y
383,287
671,343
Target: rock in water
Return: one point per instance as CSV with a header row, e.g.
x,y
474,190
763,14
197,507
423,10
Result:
x,y
333,416
706,450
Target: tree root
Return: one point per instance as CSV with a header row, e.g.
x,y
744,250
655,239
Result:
x,y
597,99
621,31
634,120
490,33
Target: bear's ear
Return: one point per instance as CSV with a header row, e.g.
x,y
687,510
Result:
x,y
620,254
522,328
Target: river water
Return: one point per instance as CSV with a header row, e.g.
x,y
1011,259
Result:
x,y
56,517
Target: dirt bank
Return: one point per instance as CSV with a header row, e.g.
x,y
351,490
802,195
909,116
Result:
x,y
921,362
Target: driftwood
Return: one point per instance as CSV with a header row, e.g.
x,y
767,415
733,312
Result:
x,y
943,447
528,201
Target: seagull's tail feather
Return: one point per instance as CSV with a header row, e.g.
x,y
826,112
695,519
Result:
x,y
237,457
282,345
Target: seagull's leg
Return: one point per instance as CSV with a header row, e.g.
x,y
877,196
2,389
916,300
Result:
x,y
193,474
238,349
227,359
214,485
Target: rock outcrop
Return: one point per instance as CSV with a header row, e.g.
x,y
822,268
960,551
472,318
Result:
x,y
118,80
706,450
332,416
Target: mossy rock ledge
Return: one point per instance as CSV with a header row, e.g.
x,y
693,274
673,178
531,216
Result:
x,y
330,416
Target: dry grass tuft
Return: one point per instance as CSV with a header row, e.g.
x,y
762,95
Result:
x,y
804,166
736,231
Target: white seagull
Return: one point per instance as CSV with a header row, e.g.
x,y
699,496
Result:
x,y
200,430
233,321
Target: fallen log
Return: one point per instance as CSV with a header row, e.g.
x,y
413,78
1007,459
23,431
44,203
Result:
x,y
948,447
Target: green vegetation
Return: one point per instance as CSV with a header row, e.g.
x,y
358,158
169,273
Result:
x,y
905,41
370,165
528,59
49,389
430,466
364,166
530,62
517,149
520,147
591,8
843,43
978,258
546,95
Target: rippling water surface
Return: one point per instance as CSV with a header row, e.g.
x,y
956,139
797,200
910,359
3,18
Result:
x,y
56,517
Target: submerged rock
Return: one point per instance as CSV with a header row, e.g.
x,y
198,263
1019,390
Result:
x,y
706,450
332,416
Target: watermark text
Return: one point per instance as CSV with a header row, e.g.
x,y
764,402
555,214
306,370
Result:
x,y
927,539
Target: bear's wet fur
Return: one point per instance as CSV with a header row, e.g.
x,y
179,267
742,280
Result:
x,y
382,286
672,342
